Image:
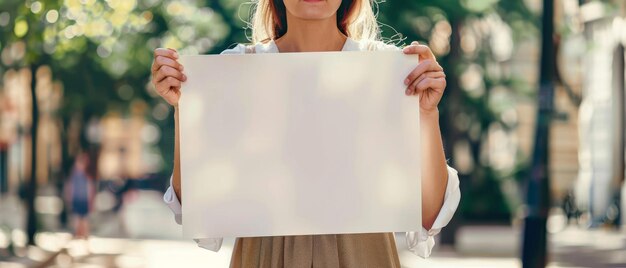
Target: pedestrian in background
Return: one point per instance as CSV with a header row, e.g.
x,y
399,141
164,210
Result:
x,y
80,192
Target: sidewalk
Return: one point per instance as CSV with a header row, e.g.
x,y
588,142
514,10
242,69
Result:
x,y
569,248
129,253
588,248
144,234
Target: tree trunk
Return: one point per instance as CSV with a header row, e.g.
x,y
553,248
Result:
x,y
534,247
619,151
31,191
449,130
4,166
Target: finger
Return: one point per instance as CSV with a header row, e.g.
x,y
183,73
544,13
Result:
x,y
435,84
423,51
163,87
169,90
172,82
165,61
424,76
166,52
167,71
422,67
171,95
167,84
413,87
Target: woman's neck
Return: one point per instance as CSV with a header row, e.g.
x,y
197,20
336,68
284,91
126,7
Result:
x,y
311,35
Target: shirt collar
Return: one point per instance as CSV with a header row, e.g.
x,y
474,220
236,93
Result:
x,y
270,46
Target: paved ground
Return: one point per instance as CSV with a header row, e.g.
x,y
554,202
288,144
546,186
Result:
x,y
584,248
115,252
144,234
572,248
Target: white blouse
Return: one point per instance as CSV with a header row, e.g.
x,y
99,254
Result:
x,y
420,243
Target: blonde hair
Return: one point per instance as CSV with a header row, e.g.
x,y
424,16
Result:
x,y
355,19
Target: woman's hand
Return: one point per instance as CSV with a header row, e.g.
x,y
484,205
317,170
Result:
x,y
167,74
427,79
167,77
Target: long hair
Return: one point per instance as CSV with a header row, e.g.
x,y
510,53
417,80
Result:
x,y
355,19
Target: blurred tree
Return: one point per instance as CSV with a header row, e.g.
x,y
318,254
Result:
x,y
101,51
474,41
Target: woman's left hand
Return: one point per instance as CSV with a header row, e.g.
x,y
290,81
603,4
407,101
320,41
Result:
x,y
427,79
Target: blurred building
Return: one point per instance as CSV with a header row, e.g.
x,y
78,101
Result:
x,y
125,144
587,143
564,136
15,124
602,116
16,121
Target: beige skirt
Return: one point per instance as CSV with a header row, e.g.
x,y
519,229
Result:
x,y
317,251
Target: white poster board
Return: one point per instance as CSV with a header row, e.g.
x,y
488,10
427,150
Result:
x,y
299,143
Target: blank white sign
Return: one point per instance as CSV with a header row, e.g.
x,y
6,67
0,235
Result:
x,y
299,143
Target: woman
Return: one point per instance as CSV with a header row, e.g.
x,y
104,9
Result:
x,y
80,192
332,25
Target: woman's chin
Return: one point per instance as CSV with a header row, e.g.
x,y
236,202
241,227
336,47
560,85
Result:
x,y
313,14
312,9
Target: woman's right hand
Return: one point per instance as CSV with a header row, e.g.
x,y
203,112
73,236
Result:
x,y
167,74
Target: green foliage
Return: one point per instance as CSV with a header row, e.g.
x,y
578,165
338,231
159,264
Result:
x,y
474,41
98,47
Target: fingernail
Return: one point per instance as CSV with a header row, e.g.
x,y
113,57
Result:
x,y
176,55
184,77
406,82
407,91
182,67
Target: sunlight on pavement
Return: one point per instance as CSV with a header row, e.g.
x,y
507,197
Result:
x,y
114,252
467,263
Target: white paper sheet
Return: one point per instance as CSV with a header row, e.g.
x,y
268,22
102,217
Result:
x,y
299,143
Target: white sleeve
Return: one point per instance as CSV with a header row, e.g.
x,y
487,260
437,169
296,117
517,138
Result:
x,y
170,198
239,49
422,242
